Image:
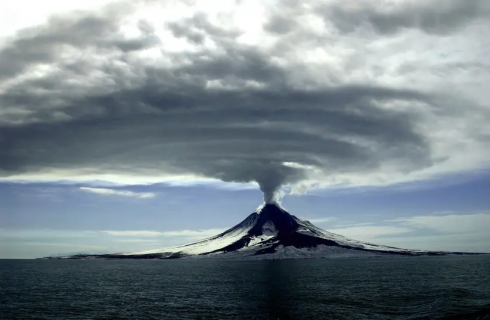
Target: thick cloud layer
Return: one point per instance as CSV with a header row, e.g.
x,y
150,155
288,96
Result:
x,y
304,95
434,17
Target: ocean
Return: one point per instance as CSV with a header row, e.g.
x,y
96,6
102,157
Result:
x,y
451,287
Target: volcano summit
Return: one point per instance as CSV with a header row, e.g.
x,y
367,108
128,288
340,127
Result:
x,y
270,233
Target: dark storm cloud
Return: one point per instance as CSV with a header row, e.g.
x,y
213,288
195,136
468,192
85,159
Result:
x,y
434,17
45,46
81,31
280,25
233,136
136,44
231,114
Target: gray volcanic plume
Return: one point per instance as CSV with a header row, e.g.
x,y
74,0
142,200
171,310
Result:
x,y
271,180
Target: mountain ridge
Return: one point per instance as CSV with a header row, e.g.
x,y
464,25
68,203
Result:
x,y
269,233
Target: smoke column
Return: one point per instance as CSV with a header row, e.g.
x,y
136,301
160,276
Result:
x,y
271,181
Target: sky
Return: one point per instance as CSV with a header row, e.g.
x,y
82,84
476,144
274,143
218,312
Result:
x,y
135,125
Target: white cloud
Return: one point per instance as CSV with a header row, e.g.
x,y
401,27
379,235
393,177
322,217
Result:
x,y
174,233
449,224
364,232
319,220
115,192
466,242
450,232
14,15
35,243
139,240
192,233
133,233
106,180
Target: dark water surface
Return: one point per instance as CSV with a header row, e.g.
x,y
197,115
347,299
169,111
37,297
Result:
x,y
376,288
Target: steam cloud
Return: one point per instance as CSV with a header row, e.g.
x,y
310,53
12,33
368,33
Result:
x,y
300,98
271,181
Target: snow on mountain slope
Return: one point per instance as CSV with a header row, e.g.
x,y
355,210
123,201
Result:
x,y
288,252
210,244
269,233
308,228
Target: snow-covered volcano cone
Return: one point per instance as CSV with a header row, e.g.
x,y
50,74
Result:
x,y
270,232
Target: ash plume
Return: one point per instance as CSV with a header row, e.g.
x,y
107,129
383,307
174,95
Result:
x,y
130,105
271,181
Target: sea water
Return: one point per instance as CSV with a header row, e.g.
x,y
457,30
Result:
x,y
452,287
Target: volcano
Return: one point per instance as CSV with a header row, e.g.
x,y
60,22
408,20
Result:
x,y
270,233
